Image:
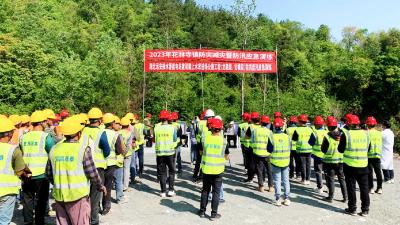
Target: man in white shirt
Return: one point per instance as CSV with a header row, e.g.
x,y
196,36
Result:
x,y
387,152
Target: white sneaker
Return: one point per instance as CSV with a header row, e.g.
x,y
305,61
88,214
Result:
x,y
307,182
171,193
379,191
319,190
391,181
286,202
371,191
163,195
278,203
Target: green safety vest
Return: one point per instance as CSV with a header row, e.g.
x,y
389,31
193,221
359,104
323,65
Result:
x,y
70,181
280,156
243,129
164,140
9,182
213,160
95,134
35,155
302,145
319,137
356,153
126,135
140,128
112,139
259,140
376,144
332,155
290,132
177,127
202,125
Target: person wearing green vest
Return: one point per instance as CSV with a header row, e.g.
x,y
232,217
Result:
x,y
200,128
117,148
333,160
128,140
148,130
165,143
119,169
174,122
215,151
355,145
12,167
100,151
279,146
295,163
259,135
303,148
140,143
315,141
374,156
70,168
244,142
35,145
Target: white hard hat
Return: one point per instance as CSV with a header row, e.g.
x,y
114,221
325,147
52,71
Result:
x,y
209,113
218,117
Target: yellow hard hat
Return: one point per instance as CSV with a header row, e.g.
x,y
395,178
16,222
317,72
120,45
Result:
x,y
50,114
84,117
95,113
125,121
130,116
3,116
71,126
108,118
117,120
38,116
25,119
6,124
16,119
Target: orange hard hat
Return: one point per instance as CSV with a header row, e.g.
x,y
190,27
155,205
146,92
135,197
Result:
x,y
245,116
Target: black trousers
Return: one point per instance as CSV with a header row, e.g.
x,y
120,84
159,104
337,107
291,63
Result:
x,y
36,192
141,159
305,159
332,170
388,174
374,165
214,181
262,164
318,168
248,155
230,138
95,198
108,183
295,164
162,163
352,176
197,172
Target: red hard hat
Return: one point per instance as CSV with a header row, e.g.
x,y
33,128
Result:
x,y
174,115
293,119
245,116
210,121
216,124
148,115
303,118
277,114
370,121
164,114
348,118
265,119
330,118
355,120
64,113
58,117
255,115
202,114
278,122
331,122
318,120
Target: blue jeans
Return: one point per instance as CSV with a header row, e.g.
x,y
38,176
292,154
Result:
x,y
279,175
119,186
134,165
221,193
7,204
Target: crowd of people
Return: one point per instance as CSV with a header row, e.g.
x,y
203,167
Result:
x,y
80,158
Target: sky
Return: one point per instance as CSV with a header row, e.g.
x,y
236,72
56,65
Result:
x,y
373,15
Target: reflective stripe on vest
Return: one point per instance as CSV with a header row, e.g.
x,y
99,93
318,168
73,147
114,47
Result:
x,y
164,140
98,156
213,160
280,156
356,153
332,155
319,137
259,140
139,128
376,144
35,155
302,145
70,181
9,182
290,132
112,140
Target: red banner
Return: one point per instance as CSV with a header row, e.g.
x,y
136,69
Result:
x,y
209,55
223,67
